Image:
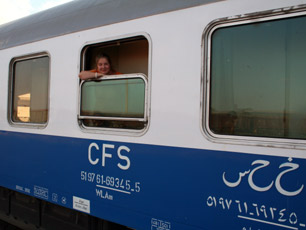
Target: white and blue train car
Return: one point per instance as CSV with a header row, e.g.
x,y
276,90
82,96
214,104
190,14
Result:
x,y
204,129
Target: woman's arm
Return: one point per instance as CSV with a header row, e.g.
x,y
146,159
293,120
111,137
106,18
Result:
x,y
84,75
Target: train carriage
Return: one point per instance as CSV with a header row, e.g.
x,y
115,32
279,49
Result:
x,y
203,127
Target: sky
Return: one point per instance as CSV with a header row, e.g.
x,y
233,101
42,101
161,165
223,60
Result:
x,y
13,9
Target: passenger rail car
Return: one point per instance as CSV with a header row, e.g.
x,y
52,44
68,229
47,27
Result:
x,y
204,127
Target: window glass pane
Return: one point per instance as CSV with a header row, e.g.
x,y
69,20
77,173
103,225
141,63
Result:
x,y
258,79
123,98
30,91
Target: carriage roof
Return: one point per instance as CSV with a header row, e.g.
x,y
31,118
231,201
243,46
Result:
x,y
80,15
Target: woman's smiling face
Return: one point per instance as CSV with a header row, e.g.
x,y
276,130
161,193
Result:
x,y
103,66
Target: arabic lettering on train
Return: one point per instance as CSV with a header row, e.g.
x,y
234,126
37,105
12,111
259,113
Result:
x,y
260,164
276,215
260,213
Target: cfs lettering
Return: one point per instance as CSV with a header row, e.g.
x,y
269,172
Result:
x,y
106,152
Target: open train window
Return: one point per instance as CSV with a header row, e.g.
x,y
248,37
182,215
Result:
x,y
257,78
117,102
28,98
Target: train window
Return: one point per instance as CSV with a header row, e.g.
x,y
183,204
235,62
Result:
x,y
117,102
29,78
257,76
112,102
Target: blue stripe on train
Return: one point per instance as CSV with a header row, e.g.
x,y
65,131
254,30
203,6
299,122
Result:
x,y
157,187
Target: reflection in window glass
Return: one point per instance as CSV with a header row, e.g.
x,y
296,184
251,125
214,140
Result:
x,y
30,91
114,103
113,98
258,79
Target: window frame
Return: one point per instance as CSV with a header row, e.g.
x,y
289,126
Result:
x,y
244,19
146,78
11,90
